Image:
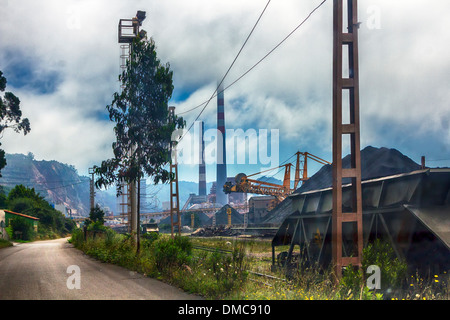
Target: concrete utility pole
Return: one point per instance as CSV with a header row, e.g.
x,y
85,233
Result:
x,y
347,217
92,190
174,190
133,209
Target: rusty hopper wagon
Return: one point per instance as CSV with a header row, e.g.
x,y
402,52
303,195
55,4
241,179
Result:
x,y
411,211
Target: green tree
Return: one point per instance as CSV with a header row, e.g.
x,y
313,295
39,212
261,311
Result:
x,y
20,191
143,126
97,215
22,229
3,198
26,200
10,116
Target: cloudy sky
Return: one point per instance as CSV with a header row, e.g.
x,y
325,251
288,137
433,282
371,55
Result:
x,y
61,58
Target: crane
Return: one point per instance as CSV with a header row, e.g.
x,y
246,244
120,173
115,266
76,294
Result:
x,y
280,192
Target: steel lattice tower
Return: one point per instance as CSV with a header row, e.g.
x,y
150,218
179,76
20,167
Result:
x,y
347,217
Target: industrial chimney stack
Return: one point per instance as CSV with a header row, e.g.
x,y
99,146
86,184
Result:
x,y
221,171
201,167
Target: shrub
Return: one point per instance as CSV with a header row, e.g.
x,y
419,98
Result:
x,y
19,224
229,270
5,243
381,254
77,238
172,253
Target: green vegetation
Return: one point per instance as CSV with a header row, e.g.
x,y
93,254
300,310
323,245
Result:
x,y
210,274
52,223
144,125
5,243
10,116
96,220
237,275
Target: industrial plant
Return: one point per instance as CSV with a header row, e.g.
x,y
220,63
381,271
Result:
x,y
326,218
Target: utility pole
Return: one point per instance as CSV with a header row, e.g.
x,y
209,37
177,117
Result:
x,y
346,222
92,190
133,208
138,216
174,191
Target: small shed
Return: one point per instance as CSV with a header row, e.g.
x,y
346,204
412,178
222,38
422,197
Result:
x,y
9,215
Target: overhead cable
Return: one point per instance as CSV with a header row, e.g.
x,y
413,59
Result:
x,y
223,78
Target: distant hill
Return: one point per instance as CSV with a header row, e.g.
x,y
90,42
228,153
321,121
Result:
x,y
375,163
59,183
270,180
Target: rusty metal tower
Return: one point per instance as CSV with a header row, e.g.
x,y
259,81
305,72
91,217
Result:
x,y
174,190
347,239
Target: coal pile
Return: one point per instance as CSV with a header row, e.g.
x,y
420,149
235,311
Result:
x,y
375,163
219,231
200,219
222,216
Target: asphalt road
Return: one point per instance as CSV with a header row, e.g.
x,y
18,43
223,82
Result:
x,y
55,270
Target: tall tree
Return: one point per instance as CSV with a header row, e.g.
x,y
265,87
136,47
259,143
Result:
x,y
143,126
10,116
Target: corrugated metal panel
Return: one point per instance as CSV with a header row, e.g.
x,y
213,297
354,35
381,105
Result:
x,y
436,219
393,206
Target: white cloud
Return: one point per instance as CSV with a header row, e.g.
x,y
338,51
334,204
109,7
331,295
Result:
x,y
403,65
63,134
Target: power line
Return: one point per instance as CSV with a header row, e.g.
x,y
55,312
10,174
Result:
x,y
35,181
232,64
59,187
282,167
255,65
278,45
436,160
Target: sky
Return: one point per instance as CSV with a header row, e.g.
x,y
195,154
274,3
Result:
x,y
62,59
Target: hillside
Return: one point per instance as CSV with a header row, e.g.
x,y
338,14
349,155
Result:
x,y
58,183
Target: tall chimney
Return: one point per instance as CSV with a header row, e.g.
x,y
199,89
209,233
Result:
x,y
221,171
201,167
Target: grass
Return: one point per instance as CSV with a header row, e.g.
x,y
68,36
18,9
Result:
x,y
5,243
216,275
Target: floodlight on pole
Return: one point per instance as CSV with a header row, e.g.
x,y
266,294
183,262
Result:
x,y
129,28
128,31
140,16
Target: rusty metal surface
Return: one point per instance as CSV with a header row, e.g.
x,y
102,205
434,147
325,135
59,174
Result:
x,y
343,219
174,189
